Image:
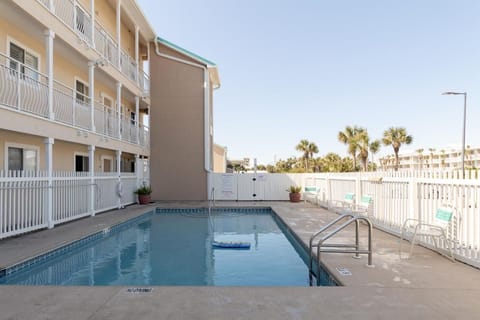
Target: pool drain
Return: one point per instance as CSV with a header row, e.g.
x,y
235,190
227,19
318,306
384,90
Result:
x,y
139,290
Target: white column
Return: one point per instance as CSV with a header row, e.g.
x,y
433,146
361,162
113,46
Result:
x,y
137,118
137,30
119,183
49,36
358,190
119,110
51,6
119,51
91,84
49,167
74,4
91,172
92,22
328,191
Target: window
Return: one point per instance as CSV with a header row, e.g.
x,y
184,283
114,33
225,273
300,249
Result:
x,y
81,163
29,61
132,117
82,92
22,158
107,163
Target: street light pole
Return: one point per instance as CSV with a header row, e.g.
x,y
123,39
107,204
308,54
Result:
x,y
464,125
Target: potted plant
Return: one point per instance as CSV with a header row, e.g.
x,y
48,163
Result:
x,y
144,194
294,193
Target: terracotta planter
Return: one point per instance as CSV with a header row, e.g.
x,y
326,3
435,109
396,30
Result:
x,y
295,196
144,198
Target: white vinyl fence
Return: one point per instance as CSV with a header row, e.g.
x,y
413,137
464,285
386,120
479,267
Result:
x,y
24,197
396,197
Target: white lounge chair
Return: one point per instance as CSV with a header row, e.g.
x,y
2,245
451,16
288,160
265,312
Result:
x,y
310,194
442,228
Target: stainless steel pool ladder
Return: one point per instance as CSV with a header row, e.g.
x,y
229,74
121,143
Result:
x,y
338,247
211,201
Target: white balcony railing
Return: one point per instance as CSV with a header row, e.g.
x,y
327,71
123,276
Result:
x,y
144,82
22,87
73,15
25,89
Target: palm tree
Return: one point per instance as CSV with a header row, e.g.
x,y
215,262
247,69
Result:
x,y
312,149
308,148
395,136
349,137
363,145
374,147
303,147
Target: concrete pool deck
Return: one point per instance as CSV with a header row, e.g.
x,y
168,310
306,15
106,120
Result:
x,y
427,286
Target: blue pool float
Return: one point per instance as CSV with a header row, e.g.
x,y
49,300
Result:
x,y
230,245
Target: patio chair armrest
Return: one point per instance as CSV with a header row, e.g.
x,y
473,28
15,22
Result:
x,y
409,220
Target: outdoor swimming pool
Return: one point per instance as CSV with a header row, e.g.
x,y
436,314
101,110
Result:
x,y
174,247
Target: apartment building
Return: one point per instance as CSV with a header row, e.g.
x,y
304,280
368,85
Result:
x,y
73,85
433,159
76,111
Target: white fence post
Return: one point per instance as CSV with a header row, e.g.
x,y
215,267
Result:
x,y
328,190
119,188
49,166
412,198
91,169
358,189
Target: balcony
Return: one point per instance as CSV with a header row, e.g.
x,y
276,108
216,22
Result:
x,y
79,21
26,90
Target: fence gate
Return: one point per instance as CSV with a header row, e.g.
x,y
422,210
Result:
x,y
251,186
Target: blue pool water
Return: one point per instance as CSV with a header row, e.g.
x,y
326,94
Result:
x,y
174,247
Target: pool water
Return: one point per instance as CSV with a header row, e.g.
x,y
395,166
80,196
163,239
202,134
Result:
x,y
174,247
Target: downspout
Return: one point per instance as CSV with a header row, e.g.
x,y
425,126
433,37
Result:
x,y
206,111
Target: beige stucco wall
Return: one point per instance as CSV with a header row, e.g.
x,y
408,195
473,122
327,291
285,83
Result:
x,y
35,45
177,169
21,140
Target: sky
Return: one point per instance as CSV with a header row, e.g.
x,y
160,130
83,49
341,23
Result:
x,y
306,69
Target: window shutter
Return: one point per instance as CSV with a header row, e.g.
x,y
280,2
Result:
x,y
16,53
31,61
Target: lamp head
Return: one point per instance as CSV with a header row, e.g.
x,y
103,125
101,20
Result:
x,y
453,93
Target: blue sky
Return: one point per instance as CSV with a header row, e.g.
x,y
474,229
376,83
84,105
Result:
x,y
293,70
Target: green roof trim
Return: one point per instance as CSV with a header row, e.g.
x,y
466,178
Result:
x,y
186,52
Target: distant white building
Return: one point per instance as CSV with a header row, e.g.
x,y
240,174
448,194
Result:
x,y
433,159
